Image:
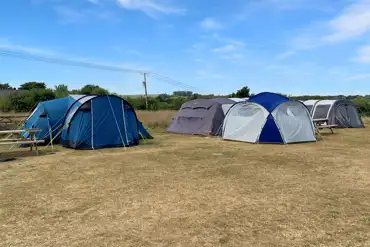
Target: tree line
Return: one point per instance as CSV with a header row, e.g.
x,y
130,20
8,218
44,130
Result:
x,y
29,94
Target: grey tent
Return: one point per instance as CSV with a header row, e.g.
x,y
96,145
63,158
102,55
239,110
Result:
x,y
201,117
343,113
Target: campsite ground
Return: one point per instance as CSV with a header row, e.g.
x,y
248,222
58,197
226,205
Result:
x,y
191,191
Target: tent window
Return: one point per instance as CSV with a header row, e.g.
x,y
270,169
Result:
x,y
309,107
86,106
43,114
321,111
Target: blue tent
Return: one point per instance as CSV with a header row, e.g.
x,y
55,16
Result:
x,y
144,134
269,118
49,117
87,122
99,122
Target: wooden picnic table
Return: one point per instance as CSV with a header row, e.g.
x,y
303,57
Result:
x,y
21,139
323,123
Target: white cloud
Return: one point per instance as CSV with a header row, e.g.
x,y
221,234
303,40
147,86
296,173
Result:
x,y
197,48
151,7
225,48
276,67
94,1
211,24
259,7
6,44
363,54
221,39
236,42
70,15
233,56
353,22
286,54
201,74
358,77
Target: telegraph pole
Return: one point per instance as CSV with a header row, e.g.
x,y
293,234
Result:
x,y
146,92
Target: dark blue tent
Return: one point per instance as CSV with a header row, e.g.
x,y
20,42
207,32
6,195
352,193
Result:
x,y
144,134
270,132
100,121
87,122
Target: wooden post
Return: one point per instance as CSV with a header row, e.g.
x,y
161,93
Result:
x,y
146,92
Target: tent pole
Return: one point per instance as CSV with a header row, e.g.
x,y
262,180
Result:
x,y
51,135
124,122
115,119
92,125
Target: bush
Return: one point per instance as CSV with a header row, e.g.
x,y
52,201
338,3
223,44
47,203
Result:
x,y
363,105
4,104
26,101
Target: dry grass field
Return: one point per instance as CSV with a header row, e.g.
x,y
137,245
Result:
x,y
190,191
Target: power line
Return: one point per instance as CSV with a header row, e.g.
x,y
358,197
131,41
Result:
x,y
171,81
68,62
94,66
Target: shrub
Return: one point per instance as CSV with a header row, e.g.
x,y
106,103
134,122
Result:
x,y
25,101
4,104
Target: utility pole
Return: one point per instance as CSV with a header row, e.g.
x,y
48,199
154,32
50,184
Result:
x,y
146,92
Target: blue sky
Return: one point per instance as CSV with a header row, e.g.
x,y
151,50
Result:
x,y
216,46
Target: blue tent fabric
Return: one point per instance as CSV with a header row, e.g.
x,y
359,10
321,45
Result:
x,y
270,132
86,122
49,115
144,134
101,122
269,100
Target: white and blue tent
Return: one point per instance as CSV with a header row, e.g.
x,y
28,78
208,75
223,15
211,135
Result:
x,y
87,122
269,118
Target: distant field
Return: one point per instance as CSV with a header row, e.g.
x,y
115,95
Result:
x,y
140,95
158,119
181,190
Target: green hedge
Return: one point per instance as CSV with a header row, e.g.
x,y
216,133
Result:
x,y
25,101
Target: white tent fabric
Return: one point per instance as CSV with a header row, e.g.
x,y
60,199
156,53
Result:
x,y
239,99
81,102
226,107
244,122
310,104
294,122
342,113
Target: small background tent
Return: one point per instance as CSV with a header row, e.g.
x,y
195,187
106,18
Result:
x,y
87,122
342,113
201,117
269,118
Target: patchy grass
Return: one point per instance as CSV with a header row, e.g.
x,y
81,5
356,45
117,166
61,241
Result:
x,y
180,190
